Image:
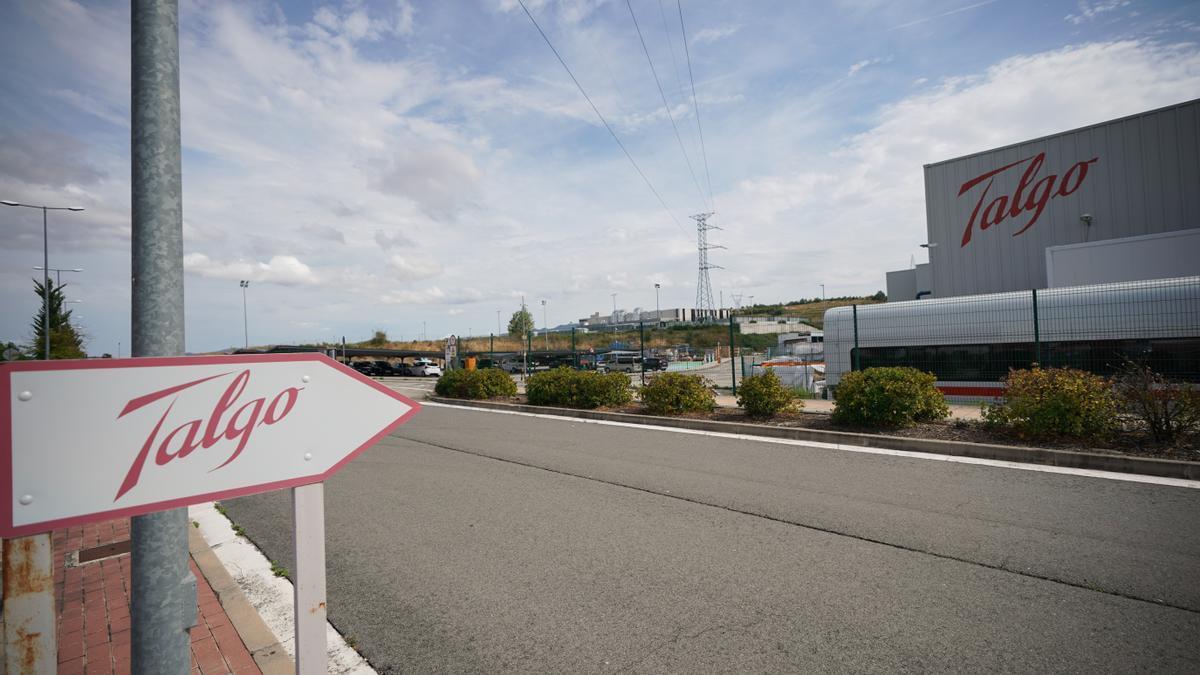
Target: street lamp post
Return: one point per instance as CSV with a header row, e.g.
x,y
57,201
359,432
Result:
x,y
45,263
657,307
245,320
58,273
545,327
822,292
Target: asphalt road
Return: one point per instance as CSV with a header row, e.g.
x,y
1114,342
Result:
x,y
472,541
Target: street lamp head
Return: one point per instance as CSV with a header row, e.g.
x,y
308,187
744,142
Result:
x,y
74,208
9,202
243,283
658,285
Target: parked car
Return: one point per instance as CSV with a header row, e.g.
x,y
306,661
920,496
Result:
x,y
425,368
365,367
654,363
385,368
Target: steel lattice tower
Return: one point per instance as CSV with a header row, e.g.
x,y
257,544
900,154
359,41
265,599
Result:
x,y
704,299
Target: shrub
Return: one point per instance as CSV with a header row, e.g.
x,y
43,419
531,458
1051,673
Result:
x,y
675,393
578,388
1168,410
888,398
764,395
475,384
1048,402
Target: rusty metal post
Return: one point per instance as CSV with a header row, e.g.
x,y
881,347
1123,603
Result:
x,y
30,644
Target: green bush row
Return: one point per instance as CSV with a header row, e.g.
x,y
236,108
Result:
x,y
675,393
888,398
475,384
762,396
578,388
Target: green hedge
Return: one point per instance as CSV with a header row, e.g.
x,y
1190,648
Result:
x,y
1048,402
675,393
888,398
476,384
762,396
578,388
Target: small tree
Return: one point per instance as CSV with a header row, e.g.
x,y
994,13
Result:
x,y
521,323
762,396
1169,410
379,339
66,341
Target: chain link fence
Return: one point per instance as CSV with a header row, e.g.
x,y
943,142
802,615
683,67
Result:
x,y
978,339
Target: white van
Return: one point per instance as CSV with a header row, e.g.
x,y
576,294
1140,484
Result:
x,y
623,362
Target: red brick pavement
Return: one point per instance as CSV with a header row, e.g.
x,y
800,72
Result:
x,y
93,611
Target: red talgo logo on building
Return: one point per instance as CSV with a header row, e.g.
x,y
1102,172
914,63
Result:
x,y
1032,194
198,434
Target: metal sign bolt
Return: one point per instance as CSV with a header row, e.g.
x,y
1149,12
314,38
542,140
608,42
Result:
x,y
26,500
305,378
25,395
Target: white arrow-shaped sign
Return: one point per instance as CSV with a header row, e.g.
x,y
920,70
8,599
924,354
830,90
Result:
x,y
90,440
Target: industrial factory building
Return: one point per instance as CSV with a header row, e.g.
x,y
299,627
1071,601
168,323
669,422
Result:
x,y
1080,249
1117,201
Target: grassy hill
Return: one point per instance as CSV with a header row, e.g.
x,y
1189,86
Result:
x,y
699,337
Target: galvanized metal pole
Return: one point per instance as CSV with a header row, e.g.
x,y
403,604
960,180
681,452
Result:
x,y
492,349
163,592
46,283
574,354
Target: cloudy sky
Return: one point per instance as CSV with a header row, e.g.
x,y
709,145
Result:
x,y
376,165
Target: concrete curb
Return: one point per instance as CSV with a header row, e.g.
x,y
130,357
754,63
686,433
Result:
x,y
1147,466
264,647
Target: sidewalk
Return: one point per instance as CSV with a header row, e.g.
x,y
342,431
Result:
x,y
93,608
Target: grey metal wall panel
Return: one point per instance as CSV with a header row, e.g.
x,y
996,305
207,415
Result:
x,y
1145,179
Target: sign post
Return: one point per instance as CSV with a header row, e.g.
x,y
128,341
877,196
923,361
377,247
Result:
x,y
153,435
308,521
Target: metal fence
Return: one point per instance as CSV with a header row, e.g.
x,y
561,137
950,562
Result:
x,y
1097,328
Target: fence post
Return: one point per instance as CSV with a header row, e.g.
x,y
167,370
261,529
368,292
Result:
x,y
574,354
856,362
1037,337
492,349
732,363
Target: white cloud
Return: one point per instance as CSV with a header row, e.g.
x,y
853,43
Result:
x,y
280,269
708,35
413,268
854,68
1090,10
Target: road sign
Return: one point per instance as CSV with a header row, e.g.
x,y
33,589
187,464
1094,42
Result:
x,y
90,440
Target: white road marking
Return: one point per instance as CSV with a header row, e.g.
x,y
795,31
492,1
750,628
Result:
x,y
1022,466
273,597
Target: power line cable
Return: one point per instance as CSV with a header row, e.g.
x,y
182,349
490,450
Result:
x,y
602,120
666,106
700,129
671,46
